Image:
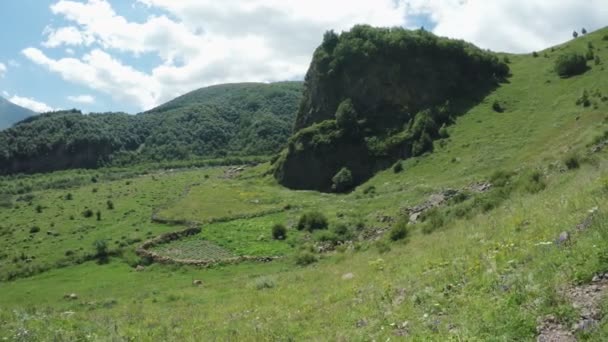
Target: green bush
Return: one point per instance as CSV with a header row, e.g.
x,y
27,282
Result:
x,y
342,181
69,197
598,61
306,258
584,99
398,167
34,230
110,205
98,214
534,54
497,107
312,221
101,250
570,64
346,115
590,55
399,231
39,209
87,213
500,178
572,162
534,182
279,232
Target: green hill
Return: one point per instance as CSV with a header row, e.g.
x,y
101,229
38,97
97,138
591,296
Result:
x,y
10,113
235,120
508,244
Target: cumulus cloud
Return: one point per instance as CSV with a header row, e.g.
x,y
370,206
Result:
x,y
2,69
100,71
82,99
29,103
205,42
512,25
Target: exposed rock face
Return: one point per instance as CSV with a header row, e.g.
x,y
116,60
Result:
x,y
400,86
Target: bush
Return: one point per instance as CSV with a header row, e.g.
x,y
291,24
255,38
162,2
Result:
x,y
343,233
570,64
312,221
398,167
572,162
443,132
39,209
306,258
584,99
88,213
101,250
346,115
598,61
534,54
263,283
279,232
500,178
534,183
497,107
342,181
34,230
110,205
69,197
399,230
605,37
98,214
590,55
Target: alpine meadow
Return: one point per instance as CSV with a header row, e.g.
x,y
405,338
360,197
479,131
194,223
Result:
x,y
412,187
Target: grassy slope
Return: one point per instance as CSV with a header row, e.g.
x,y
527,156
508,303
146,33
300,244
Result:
x,y
486,277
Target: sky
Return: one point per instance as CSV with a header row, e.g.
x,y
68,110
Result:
x,y
132,55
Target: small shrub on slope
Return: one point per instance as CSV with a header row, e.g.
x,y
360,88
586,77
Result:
x,y
570,64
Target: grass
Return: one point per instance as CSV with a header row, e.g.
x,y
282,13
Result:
x,y
481,268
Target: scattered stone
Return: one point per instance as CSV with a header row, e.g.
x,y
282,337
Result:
x,y
348,276
480,187
71,296
197,282
563,238
140,268
587,300
402,329
362,323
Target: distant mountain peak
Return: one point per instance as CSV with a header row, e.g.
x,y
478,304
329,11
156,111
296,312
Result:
x,y
11,113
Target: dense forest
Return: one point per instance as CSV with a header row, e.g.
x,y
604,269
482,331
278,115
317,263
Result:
x,y
373,96
234,119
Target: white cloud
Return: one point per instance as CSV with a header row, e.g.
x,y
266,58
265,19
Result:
x,y
30,103
259,40
100,71
2,69
205,42
512,25
83,99
67,36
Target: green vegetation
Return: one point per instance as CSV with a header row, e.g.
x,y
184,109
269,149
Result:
x,y
570,64
279,232
238,119
312,221
395,114
481,265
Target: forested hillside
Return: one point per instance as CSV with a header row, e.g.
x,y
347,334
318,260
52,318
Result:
x,y
235,119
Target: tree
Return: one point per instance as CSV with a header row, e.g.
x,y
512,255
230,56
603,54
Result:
x,y
583,31
343,180
575,34
98,214
346,115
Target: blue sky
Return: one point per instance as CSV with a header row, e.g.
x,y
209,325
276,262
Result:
x,y
131,55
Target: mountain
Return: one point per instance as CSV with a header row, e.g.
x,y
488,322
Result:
x,y
373,96
11,113
218,121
